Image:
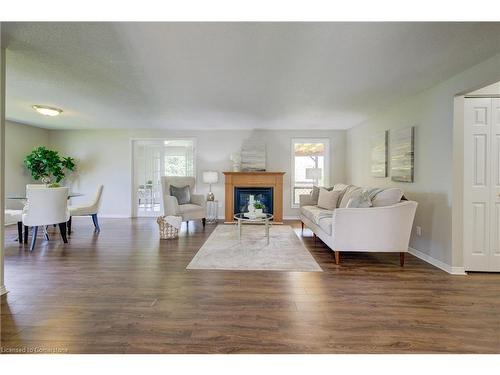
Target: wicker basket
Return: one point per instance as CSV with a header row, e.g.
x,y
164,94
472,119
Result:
x,y
167,231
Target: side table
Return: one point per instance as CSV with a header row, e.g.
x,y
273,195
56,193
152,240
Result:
x,y
212,211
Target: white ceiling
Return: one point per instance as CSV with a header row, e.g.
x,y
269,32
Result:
x,y
230,75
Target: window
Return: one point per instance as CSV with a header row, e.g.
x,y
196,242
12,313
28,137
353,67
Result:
x,y
310,165
179,157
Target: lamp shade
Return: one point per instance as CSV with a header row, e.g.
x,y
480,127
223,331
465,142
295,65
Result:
x,y
313,173
210,177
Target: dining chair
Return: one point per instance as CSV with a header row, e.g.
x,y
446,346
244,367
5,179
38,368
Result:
x,y
46,206
89,209
15,216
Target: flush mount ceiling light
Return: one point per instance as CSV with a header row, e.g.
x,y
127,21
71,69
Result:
x,y
47,111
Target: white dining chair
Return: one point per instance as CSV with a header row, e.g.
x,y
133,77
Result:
x,y
15,216
89,209
46,206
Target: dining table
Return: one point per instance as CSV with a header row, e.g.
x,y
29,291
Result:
x,y
23,196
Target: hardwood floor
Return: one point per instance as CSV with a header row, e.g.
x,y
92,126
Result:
x,y
124,291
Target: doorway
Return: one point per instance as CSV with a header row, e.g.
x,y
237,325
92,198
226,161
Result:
x,y
153,159
481,207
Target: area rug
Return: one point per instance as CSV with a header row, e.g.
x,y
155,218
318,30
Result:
x,y
223,250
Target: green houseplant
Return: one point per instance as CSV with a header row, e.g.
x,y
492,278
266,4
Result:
x,y
48,166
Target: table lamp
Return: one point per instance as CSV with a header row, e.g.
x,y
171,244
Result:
x,y
313,174
210,177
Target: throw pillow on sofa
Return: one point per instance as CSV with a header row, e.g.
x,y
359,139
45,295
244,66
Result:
x,y
360,201
182,194
351,192
315,193
387,197
328,198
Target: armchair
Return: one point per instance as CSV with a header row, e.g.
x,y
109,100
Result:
x,y
194,210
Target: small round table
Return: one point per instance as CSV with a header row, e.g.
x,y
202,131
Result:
x,y
264,219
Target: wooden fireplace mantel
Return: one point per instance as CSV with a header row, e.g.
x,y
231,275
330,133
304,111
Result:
x,y
254,179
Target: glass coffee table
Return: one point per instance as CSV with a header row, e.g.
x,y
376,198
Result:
x,y
264,219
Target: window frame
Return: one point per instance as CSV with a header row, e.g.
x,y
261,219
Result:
x,y
326,176
192,139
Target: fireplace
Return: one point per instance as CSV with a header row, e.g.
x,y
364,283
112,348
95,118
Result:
x,y
266,186
263,195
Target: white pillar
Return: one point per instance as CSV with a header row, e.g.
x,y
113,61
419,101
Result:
x,y
3,290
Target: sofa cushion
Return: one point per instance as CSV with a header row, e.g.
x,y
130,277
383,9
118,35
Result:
x,y
328,198
325,223
315,193
352,191
315,213
387,197
182,194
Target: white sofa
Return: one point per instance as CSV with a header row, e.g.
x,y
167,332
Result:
x,y
373,229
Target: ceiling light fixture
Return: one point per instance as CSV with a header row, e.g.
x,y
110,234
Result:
x,y
47,111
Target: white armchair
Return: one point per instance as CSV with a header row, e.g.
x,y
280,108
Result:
x,y
194,210
46,206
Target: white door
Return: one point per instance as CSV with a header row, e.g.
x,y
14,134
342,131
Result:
x,y
494,258
482,184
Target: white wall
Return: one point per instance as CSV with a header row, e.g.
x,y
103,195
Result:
x,y
104,157
431,112
493,89
20,140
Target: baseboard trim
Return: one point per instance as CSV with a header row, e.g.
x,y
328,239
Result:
x,y
437,263
3,290
113,216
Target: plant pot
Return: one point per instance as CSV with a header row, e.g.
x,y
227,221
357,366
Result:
x,y
258,211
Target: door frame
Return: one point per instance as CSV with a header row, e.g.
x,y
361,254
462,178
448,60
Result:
x,y
133,210
457,196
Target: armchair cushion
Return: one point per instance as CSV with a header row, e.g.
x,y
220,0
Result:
x,y
187,208
199,200
182,194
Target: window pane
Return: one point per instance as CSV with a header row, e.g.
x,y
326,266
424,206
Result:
x,y
179,158
308,154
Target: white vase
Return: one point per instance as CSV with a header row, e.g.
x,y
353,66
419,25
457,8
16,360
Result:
x,y
258,211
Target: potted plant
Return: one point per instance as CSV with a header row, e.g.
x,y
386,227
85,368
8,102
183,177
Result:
x,y
48,166
259,207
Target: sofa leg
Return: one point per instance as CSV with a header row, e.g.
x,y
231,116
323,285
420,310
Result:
x,y
337,257
302,226
401,259
204,222
314,236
